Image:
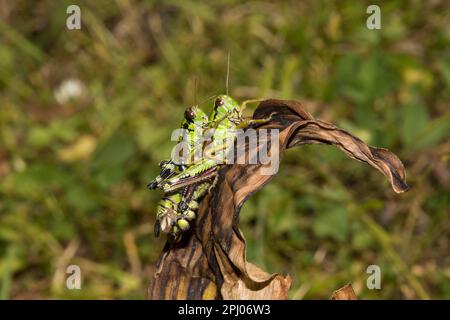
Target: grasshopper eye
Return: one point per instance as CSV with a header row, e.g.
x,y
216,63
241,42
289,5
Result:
x,y
219,102
189,114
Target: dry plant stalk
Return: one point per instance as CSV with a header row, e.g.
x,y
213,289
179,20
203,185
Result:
x,y
211,262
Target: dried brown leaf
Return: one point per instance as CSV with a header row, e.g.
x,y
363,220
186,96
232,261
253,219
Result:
x,y
344,293
211,262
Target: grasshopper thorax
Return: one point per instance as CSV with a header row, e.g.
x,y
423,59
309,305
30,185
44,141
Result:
x,y
224,104
193,115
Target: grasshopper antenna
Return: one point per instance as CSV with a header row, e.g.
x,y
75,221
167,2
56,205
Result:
x,y
195,90
228,72
208,99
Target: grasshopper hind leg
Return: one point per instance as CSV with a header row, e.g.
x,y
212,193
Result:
x,y
196,170
168,169
187,194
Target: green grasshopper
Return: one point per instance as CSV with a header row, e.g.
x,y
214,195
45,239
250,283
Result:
x,y
176,209
194,121
225,117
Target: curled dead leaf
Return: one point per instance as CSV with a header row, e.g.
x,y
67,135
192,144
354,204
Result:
x,y
210,263
344,293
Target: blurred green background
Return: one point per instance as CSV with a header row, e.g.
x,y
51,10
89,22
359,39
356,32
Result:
x,y
86,115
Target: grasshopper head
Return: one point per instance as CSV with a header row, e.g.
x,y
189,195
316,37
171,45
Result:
x,y
194,114
225,103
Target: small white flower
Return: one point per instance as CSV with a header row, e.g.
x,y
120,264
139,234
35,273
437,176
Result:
x,y
69,89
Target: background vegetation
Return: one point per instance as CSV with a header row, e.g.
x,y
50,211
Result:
x,y
85,116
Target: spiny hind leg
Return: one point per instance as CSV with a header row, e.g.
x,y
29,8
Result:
x,y
190,172
188,207
186,197
191,195
168,169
